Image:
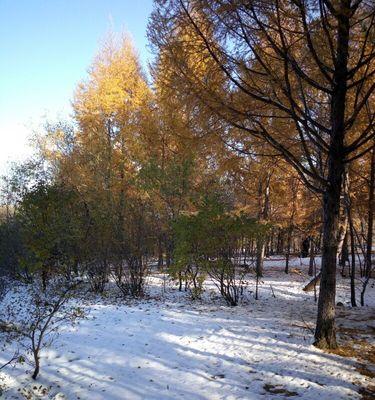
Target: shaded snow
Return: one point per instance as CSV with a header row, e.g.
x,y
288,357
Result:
x,y
168,347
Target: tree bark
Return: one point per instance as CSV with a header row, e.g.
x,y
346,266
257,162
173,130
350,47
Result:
x,y
344,256
287,255
37,366
305,247
370,227
312,257
261,249
264,200
352,269
343,220
325,332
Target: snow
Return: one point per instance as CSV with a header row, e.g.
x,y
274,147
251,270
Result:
x,y
169,347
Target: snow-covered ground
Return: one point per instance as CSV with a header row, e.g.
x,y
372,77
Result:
x,y
169,347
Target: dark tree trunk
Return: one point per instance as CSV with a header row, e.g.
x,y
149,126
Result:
x,y
160,253
168,256
371,205
280,242
325,332
305,248
37,367
287,255
180,281
271,243
257,287
44,278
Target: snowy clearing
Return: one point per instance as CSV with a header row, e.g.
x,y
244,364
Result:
x,y
168,347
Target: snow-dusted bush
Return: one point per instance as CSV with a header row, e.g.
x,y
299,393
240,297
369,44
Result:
x,y
33,317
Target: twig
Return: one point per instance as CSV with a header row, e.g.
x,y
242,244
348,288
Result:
x,y
15,356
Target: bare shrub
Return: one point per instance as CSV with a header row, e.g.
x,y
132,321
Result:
x,y
229,279
35,322
130,275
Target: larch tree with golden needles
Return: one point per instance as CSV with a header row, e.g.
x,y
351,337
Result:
x,y
300,76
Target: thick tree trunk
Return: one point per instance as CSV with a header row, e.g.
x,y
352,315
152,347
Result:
x,y
325,332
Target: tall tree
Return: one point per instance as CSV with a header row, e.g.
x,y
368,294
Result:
x,y
299,75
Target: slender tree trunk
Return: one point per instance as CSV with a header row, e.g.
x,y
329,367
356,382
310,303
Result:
x,y
371,205
312,256
344,256
370,227
264,199
261,249
305,247
352,269
160,253
37,366
279,246
271,243
343,220
294,186
44,278
289,239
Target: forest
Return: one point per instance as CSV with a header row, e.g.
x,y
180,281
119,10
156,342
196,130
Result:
x,y
202,227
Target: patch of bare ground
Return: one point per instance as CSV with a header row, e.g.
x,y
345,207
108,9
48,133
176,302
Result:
x,y
356,332
278,389
367,393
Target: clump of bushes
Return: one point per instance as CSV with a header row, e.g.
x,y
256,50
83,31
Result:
x,y
214,242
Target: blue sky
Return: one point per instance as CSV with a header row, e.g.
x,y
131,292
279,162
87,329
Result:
x,y
46,47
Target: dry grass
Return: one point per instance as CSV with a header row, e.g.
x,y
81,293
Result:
x,y
368,393
354,344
